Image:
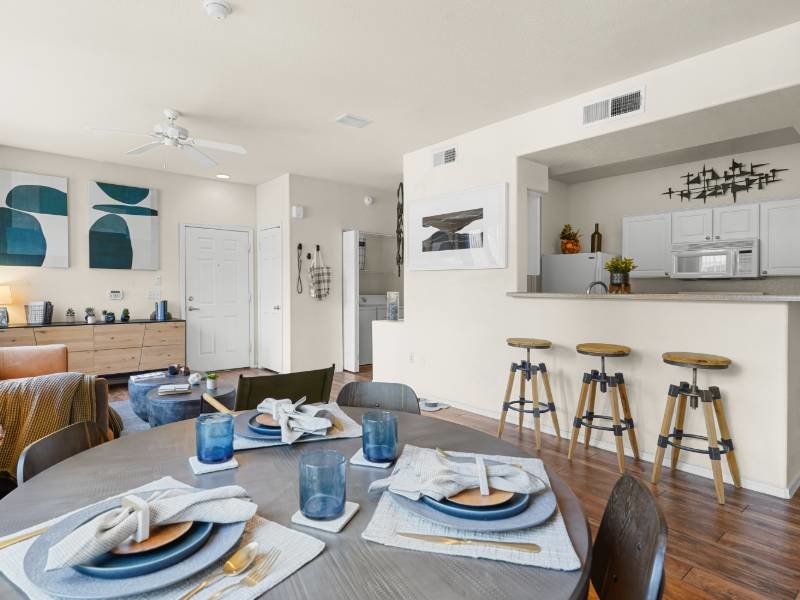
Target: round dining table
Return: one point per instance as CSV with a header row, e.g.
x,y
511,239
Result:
x,y
349,568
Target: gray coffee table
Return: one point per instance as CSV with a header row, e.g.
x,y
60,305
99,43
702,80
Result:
x,y
179,407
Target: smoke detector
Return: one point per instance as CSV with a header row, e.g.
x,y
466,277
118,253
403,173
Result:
x,y
218,9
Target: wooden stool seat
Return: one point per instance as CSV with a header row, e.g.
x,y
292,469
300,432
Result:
x,y
694,360
606,350
529,343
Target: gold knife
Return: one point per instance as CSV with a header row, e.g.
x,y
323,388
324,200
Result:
x,y
439,539
22,537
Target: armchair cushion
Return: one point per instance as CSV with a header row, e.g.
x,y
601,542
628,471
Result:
x,y
30,361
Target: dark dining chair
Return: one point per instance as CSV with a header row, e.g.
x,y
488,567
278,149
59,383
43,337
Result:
x,y
314,385
628,552
373,394
60,445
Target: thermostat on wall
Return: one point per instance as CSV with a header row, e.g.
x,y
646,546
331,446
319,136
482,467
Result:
x,y
115,294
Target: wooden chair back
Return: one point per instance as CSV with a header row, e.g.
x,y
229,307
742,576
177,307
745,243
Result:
x,y
314,385
628,553
373,394
60,445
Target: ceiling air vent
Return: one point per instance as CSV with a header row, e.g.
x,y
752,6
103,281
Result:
x,y
444,157
611,108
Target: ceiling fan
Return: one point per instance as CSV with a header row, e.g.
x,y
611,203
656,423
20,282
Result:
x,y
171,134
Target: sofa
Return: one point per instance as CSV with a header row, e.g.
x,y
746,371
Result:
x,y
30,361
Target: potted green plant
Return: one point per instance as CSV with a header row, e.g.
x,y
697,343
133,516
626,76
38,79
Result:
x,y
125,315
109,317
570,240
90,318
69,315
620,268
211,381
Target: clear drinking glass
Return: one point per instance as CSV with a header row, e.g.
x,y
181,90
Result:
x,y
322,484
214,434
379,439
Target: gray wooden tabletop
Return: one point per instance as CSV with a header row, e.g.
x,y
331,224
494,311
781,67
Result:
x,y
349,567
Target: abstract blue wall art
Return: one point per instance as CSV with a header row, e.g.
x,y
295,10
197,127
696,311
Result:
x,y
123,227
34,227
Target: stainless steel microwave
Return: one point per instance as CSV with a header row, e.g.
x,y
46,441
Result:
x,y
730,259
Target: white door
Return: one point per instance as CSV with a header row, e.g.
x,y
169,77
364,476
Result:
x,y
270,299
365,318
217,284
780,243
692,226
736,222
646,239
350,292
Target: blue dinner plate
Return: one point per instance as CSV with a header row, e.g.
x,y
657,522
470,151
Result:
x,y
243,427
114,566
272,430
511,507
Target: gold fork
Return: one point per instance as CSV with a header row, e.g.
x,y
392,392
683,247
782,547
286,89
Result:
x,y
255,576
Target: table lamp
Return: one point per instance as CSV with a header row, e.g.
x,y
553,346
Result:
x,y
5,299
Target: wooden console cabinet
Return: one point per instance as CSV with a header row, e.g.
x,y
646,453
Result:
x,y
109,349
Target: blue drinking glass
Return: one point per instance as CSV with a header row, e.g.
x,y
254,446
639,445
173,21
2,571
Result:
x,y
322,484
214,434
379,439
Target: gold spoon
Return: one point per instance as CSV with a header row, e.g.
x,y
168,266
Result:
x,y
235,565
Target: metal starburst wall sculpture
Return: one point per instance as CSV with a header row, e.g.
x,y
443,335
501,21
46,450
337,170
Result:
x,y
708,183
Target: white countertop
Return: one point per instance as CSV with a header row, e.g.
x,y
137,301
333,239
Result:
x,y
690,297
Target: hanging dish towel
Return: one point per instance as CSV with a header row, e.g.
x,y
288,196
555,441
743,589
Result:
x,y
320,277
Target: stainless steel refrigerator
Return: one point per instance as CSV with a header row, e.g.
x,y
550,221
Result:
x,y
572,273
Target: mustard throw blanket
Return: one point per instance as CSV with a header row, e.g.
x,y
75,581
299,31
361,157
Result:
x,y
34,407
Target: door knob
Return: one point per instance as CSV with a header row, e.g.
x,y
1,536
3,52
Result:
x,y
276,307
193,308
716,237
190,298
708,237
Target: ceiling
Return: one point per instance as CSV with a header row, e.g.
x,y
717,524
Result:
x,y
275,74
755,123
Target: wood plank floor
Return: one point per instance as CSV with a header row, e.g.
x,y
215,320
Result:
x,y
749,548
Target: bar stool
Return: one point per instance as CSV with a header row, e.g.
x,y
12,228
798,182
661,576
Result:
x,y
529,372
712,405
610,385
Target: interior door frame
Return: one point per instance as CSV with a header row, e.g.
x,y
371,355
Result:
x,y
260,278
350,310
182,228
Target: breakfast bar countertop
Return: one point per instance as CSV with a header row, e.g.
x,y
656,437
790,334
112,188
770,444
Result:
x,y
686,297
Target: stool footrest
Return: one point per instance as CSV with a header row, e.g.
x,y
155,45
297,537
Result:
x,y
516,404
725,446
615,428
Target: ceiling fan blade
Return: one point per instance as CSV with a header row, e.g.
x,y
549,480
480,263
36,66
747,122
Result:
x,y
236,148
143,149
203,159
120,131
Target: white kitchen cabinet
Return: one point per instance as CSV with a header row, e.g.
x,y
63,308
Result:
x,y
646,239
736,222
690,226
780,242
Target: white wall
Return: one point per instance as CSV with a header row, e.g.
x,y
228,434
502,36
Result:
x,y
183,199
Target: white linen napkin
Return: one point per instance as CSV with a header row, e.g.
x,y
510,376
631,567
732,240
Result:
x,y
296,420
431,474
228,504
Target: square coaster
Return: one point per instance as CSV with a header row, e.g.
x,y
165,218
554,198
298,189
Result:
x,y
199,468
334,525
358,459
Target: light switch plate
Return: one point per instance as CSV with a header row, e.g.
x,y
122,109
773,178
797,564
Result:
x,y
115,295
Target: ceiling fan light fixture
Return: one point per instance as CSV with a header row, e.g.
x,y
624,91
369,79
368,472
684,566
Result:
x,y
218,9
223,176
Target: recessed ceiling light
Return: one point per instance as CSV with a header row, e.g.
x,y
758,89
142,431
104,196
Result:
x,y
352,120
223,176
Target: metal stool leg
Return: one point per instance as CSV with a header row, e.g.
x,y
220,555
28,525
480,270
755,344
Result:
x,y
713,449
662,438
536,419
576,424
521,414
509,389
677,431
549,393
726,436
587,435
612,392
626,412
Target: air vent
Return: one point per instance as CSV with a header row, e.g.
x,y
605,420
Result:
x,y
611,108
352,120
444,157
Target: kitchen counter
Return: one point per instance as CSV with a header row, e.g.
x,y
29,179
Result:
x,y
690,297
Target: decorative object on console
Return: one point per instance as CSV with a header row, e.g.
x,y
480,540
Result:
x,y
125,315
708,183
211,381
34,230
124,231
596,239
90,318
5,300
570,240
620,269
319,277
69,315
460,230
39,312
399,230
109,317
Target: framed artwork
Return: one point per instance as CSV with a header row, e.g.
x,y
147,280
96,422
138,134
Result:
x,y
461,230
123,227
34,227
